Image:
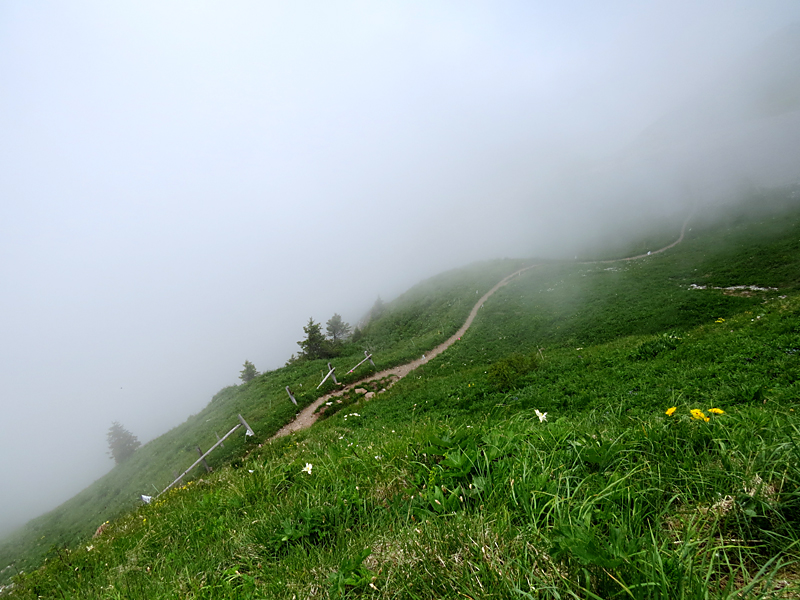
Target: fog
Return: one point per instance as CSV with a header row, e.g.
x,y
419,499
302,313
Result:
x,y
184,184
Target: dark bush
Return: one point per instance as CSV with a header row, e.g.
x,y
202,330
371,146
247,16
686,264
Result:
x,y
506,373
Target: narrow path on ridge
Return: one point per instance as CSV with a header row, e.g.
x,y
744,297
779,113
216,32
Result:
x,y
308,415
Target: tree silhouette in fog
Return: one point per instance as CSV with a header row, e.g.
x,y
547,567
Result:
x,y
121,443
249,372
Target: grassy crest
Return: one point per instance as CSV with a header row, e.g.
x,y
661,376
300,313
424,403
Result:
x,y
565,447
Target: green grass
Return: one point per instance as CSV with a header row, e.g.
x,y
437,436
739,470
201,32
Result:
x,y
450,486
423,317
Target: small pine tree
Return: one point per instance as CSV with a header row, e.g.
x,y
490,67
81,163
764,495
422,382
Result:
x,y
121,443
337,329
249,372
315,345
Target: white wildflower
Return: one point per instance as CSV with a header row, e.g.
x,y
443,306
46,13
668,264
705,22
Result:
x,y
307,468
542,415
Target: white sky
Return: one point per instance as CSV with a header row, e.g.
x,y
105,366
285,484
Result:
x,y
183,184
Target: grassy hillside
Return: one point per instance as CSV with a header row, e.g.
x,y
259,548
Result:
x,y
454,483
423,317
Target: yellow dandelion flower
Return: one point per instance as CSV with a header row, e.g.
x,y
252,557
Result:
x,y
699,415
670,410
716,411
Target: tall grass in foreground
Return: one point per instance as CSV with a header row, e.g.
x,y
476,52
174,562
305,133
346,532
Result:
x,y
586,506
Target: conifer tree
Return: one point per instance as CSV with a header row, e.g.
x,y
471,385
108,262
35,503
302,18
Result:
x,y
121,443
315,345
337,329
249,372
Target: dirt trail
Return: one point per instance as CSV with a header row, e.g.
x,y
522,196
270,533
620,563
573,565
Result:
x,y
308,415
665,248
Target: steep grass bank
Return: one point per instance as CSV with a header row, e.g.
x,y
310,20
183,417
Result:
x,y
449,485
454,489
421,318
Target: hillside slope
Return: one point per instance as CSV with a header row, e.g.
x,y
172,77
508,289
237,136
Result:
x,y
532,459
421,318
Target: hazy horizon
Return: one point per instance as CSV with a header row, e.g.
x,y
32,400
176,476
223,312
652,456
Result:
x,y
185,184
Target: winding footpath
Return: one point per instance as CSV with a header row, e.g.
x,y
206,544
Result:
x,y
308,415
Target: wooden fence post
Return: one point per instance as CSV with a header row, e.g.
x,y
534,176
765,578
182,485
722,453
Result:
x,y
324,379
205,464
330,368
291,395
369,358
248,430
199,460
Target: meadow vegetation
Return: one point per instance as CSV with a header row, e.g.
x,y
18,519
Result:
x,y
614,430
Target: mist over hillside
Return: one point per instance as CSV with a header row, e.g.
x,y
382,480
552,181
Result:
x,y
737,132
186,185
741,126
